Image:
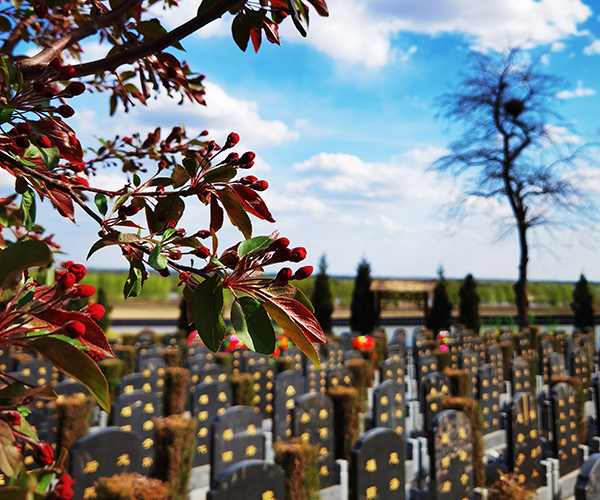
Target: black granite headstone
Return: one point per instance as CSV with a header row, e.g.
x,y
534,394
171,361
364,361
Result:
x,y
392,369
236,435
435,387
546,349
556,363
136,382
104,453
565,439
520,377
340,377
315,380
263,387
249,480
287,386
489,398
470,361
39,371
587,486
377,466
334,356
389,407
495,357
426,364
312,421
579,368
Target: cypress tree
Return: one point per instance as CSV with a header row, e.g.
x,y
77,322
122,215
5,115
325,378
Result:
x,y
441,309
469,304
583,304
105,321
321,297
362,308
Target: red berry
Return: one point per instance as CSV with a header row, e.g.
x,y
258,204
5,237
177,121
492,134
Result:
x,y
75,88
43,453
204,132
64,488
232,140
202,252
78,270
303,273
96,311
65,111
74,329
260,185
283,276
298,254
23,128
250,164
42,141
82,291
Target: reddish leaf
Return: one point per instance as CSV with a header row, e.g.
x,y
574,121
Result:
x,y
93,337
302,317
63,202
235,211
216,214
321,7
271,31
252,202
64,138
256,37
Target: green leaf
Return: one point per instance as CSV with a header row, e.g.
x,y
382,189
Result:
x,y
150,29
28,208
102,203
220,174
50,156
166,210
254,245
44,480
10,458
168,233
253,325
6,113
190,165
207,311
20,256
235,211
156,260
303,299
113,238
76,364
26,429
136,180
205,5
25,299
120,200
240,29
180,176
296,17
135,280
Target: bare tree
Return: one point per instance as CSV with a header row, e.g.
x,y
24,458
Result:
x,y
508,148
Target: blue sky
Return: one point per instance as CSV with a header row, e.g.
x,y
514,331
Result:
x,y
344,127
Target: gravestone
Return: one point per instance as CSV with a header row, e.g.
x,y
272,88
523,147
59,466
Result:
x,y
587,486
104,453
496,360
286,387
155,351
236,435
136,382
263,387
196,365
352,354
470,361
426,364
134,412
556,363
435,387
340,377
565,441
334,356
389,406
579,368
345,342
478,346
198,349
392,369
70,388
249,480
455,350
451,451
214,373
315,380
419,345
209,400
520,378
567,344
523,441
253,359
294,355
38,371
377,466
7,363
524,347
546,349
489,398
312,421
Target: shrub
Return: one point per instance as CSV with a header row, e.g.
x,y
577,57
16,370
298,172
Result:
x,y
381,345
130,486
74,418
299,460
172,357
363,315
127,354
177,383
508,488
577,385
243,389
174,439
363,372
113,372
346,429
460,381
321,297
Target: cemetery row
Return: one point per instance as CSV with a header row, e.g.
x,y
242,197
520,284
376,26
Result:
x,y
440,419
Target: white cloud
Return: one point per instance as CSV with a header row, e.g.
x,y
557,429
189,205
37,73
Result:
x,y
561,135
592,49
580,91
557,47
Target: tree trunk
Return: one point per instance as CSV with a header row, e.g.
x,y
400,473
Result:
x,y
520,286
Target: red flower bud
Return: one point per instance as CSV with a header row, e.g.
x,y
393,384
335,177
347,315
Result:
x,y
65,111
82,291
23,128
64,488
75,88
42,141
204,132
279,243
55,63
201,252
13,418
303,273
96,311
283,276
298,254
203,234
38,87
43,454
180,232
232,158
175,255
260,185
66,281
67,71
49,91
164,272
247,157
96,355
81,181
249,179
22,142
184,277
78,270
74,329
250,164
232,140
171,224
281,255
